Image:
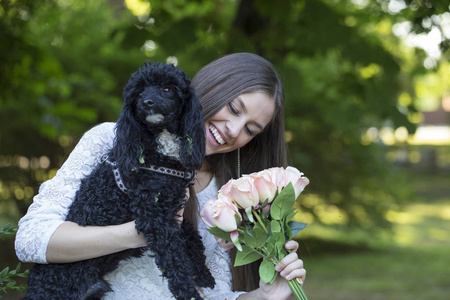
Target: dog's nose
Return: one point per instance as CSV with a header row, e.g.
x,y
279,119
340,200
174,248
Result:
x,y
148,102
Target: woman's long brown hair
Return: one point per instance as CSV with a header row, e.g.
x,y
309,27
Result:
x,y
216,85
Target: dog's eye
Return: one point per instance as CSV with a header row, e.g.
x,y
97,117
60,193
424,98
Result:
x,y
167,89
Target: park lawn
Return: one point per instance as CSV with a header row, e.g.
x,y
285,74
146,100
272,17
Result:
x,y
395,274
415,266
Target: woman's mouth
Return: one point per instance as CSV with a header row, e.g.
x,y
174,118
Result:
x,y
216,135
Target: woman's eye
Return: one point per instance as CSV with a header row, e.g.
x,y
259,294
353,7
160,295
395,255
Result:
x,y
249,130
233,109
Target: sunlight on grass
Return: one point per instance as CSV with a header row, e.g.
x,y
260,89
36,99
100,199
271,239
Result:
x,y
412,263
421,224
327,213
402,217
445,213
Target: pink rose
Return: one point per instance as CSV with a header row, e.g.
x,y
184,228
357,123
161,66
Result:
x,y
225,189
221,213
244,193
277,175
265,184
296,178
207,213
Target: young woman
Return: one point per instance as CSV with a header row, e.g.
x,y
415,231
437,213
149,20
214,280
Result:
x,y
242,100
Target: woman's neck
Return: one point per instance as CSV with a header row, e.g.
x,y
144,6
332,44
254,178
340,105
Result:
x,y
204,176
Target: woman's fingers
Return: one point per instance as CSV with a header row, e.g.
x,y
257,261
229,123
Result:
x,y
293,270
288,260
291,246
291,266
224,244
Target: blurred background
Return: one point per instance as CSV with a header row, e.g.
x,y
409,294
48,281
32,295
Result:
x,y
367,86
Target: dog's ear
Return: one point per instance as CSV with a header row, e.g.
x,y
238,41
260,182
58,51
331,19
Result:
x,y
127,143
192,132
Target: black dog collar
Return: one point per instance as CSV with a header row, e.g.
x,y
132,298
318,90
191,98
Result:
x,y
186,175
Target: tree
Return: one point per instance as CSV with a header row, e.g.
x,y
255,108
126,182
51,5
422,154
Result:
x,y
64,64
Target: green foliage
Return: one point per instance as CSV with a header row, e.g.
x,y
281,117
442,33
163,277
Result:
x,y
7,230
282,203
246,256
267,271
64,64
7,281
268,233
266,236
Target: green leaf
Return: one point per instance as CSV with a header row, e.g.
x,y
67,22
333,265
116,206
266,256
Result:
x,y
281,252
18,267
277,237
11,283
283,203
288,232
246,256
255,238
141,157
296,227
275,226
271,251
267,271
290,215
216,231
4,272
264,204
7,230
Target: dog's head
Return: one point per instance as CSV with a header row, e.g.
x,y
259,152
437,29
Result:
x,y
159,97
155,95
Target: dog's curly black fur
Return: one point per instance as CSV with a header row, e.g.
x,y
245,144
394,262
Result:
x,y
159,103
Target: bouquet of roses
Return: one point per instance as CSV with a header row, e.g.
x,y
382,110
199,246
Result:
x,y
255,213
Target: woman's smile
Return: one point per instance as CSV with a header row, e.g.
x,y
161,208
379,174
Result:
x,y
216,134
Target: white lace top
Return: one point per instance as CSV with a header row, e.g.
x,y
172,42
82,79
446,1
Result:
x,y
136,278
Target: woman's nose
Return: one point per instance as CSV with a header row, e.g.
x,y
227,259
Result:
x,y
234,128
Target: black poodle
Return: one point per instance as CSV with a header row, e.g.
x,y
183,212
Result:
x,y
158,148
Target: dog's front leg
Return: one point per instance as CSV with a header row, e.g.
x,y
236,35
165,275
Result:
x,y
157,221
196,252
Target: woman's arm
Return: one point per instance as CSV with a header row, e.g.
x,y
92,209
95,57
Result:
x,y
44,236
91,241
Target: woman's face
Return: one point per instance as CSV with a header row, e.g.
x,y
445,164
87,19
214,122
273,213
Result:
x,y
235,124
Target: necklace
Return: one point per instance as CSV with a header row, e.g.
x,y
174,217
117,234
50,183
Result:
x,y
202,180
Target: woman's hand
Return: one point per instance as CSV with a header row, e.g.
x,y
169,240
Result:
x,y
224,244
290,267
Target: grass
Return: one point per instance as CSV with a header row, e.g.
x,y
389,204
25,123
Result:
x,y
395,274
416,266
